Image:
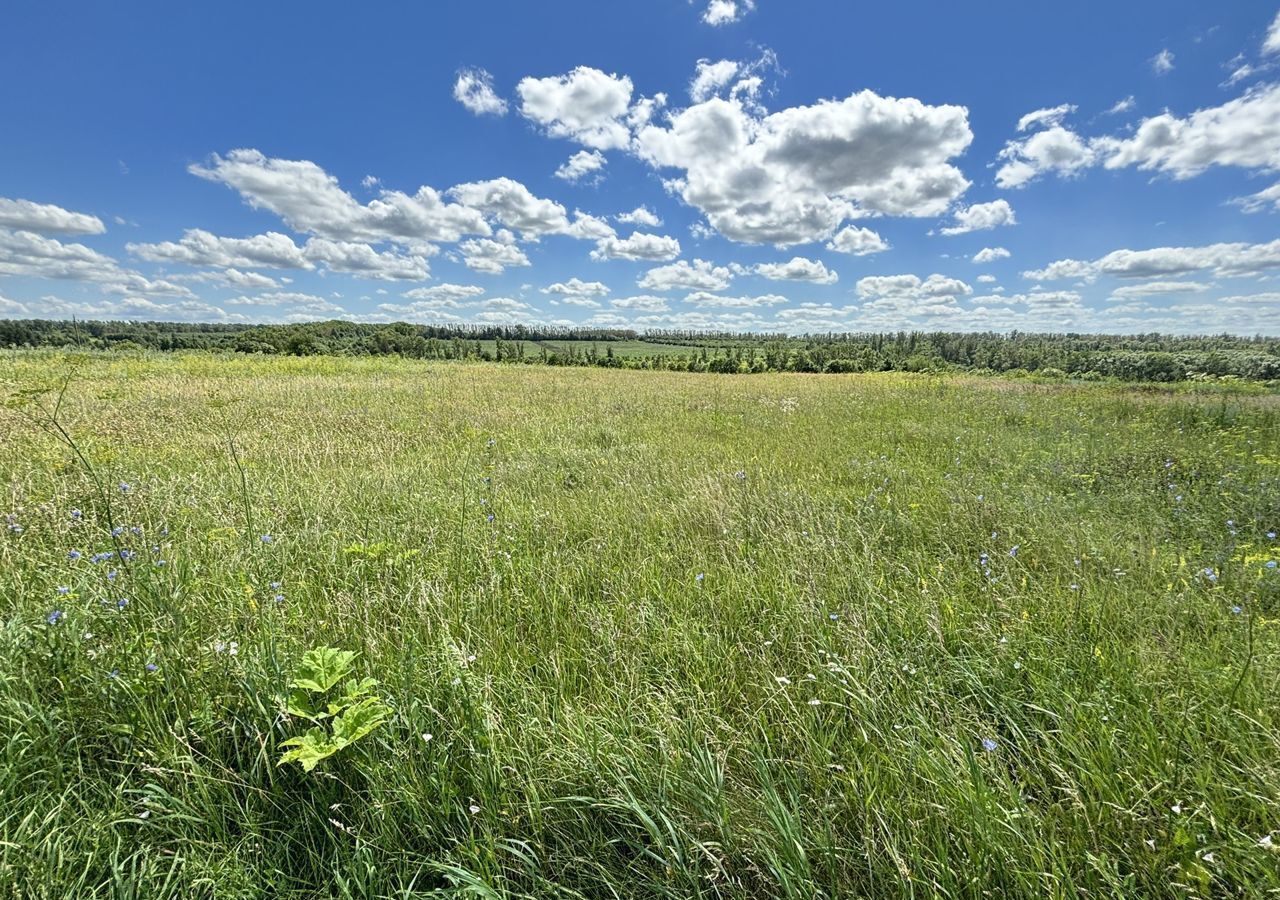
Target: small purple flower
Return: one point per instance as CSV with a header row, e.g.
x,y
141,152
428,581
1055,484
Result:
x,y
63,590
983,560
700,577
266,539
111,576
275,585
988,745
125,487
76,514
279,598
1210,575
741,475
1013,551
1236,610
126,555
136,529
1271,535
489,518
151,667
117,531
113,674
73,555
55,617
122,603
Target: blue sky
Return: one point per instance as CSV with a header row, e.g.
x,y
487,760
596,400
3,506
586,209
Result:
x,y
718,164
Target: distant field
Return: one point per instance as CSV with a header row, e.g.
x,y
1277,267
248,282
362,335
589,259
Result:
x,y
636,634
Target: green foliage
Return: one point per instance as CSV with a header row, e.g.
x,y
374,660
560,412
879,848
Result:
x,y
352,712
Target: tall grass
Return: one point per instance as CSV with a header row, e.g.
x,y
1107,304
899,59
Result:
x,y
755,637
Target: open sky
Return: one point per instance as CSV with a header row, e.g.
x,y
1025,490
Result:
x,y
776,165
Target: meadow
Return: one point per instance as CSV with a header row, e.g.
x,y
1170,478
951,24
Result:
x,y
634,634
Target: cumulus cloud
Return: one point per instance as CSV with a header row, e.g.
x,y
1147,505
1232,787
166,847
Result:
x,y
512,204
1123,105
711,77
641,303
582,164
1267,198
310,200
1154,288
795,175
724,12
1162,62
990,254
585,105
495,256
1243,133
576,287
30,254
911,287
798,269
705,298
637,247
202,248
12,307
444,293
641,216
982,217
474,90
26,215
1271,43
361,259
857,241
1225,260
698,275
987,279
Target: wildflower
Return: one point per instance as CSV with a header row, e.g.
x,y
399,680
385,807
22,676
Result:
x,y
1150,842
64,590
122,603
1208,857
1265,841
266,539
111,576
136,529
427,736
983,560
699,577
815,702
834,617
1013,551
1075,586
1210,575
1271,564
151,667
491,442
125,487
782,680
1236,610
475,809
117,531
55,617
278,598
980,498
489,518
1177,809
73,555
126,555
275,585
75,514
740,475
1271,535
114,673
988,745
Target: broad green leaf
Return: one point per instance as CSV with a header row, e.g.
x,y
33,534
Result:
x,y
299,704
322,668
309,749
359,720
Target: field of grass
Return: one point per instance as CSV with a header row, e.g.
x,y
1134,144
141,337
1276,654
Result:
x,y
639,634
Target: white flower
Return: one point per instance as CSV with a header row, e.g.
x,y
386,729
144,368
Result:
x,y
427,736
782,679
815,702
1265,841
474,809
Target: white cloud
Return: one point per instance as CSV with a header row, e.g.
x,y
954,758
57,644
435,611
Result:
x,y
474,90
26,215
910,287
202,248
723,12
642,303
1046,118
586,106
640,216
1226,260
493,256
982,217
12,307
444,293
711,77
576,287
133,309
1153,288
230,278
1122,105
512,204
1053,150
990,254
700,275
30,254
857,241
637,247
794,176
582,164
361,259
705,298
1271,44
1162,62
310,200
1263,199
987,279
798,269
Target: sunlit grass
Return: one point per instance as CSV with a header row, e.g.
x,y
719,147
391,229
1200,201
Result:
x,y
643,634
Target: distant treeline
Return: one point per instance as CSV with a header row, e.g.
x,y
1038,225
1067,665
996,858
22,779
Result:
x,y
1144,357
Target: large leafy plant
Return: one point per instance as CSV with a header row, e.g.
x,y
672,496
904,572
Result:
x,y
341,708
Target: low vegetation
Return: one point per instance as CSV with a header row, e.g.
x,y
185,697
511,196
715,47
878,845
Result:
x,y
299,627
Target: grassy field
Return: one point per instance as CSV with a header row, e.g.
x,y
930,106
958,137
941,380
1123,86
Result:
x,y
638,634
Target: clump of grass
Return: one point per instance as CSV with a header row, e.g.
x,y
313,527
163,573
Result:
x,y
635,634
